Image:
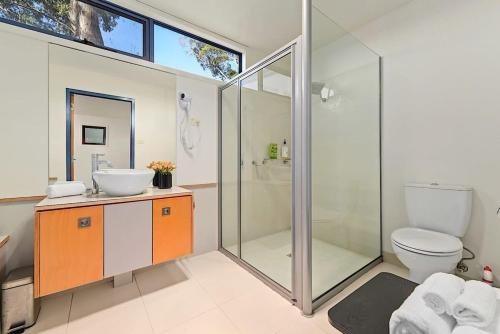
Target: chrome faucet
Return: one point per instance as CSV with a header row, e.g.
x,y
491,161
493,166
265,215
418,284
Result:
x,y
96,163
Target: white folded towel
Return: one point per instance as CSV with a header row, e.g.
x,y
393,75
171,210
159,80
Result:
x,y
414,317
493,328
63,189
441,290
476,306
468,330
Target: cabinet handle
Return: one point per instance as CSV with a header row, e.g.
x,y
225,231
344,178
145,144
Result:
x,y
84,222
165,211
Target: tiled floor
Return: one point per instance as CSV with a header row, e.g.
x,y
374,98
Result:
x,y
269,255
203,294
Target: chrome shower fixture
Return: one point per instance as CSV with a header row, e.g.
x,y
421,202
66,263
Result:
x,y
325,93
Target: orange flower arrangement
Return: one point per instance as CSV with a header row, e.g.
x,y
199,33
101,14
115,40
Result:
x,y
162,167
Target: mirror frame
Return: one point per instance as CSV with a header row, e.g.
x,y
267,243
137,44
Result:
x,y
70,92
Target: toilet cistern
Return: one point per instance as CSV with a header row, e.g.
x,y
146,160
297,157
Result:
x,y
438,215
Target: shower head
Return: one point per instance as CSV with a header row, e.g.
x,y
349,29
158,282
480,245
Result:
x,y
316,87
319,88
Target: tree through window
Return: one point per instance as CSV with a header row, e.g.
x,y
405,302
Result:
x,y
78,20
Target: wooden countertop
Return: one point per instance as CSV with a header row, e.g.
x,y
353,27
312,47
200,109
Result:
x,y
102,198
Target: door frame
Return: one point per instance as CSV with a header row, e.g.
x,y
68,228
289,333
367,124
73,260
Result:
x,y
295,296
70,114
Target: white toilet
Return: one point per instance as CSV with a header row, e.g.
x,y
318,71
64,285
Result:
x,y
439,215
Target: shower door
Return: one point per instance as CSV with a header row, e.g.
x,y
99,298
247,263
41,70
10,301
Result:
x,y
256,164
229,230
307,223
266,184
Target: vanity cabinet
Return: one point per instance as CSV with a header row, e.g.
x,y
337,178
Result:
x,y
80,240
172,228
70,248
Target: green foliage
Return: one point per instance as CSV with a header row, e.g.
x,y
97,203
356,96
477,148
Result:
x,y
219,62
59,16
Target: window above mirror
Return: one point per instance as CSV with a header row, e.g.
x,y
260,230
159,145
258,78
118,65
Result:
x,y
178,49
111,27
92,23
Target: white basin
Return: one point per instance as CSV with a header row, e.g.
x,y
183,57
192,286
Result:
x,y
123,182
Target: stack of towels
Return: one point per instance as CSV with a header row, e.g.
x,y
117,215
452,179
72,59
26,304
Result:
x,y
63,189
446,304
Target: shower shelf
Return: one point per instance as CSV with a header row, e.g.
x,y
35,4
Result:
x,y
273,163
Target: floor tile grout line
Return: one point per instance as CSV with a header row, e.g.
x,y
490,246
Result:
x,y
217,305
190,319
143,303
197,280
187,320
230,320
69,312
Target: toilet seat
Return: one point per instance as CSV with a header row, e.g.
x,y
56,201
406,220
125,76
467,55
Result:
x,y
426,242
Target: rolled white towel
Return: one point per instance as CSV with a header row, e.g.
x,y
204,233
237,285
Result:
x,y
493,328
441,290
468,330
63,189
414,317
476,306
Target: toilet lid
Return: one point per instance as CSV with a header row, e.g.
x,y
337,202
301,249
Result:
x,y
427,241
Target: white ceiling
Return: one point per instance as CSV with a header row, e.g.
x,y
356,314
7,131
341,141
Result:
x,y
266,25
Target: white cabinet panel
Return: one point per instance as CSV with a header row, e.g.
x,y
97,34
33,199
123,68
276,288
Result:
x,y
128,239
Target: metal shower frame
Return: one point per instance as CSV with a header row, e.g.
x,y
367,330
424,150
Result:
x,y
300,50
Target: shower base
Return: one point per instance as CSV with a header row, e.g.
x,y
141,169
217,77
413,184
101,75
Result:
x,y
271,255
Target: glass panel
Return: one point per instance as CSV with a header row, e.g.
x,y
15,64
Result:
x,y
345,155
78,20
266,184
229,169
177,50
99,125
277,83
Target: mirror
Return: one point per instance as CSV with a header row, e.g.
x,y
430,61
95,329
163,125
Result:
x,y
98,124
148,102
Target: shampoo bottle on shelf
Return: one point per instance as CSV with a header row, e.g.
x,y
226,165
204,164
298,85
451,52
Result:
x,y
284,151
272,151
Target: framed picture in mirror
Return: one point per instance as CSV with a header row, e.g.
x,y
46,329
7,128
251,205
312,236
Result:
x,y
93,135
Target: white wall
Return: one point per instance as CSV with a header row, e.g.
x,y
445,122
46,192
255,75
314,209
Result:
x,y
197,167
206,230
23,116
440,117
16,220
199,164
23,141
116,117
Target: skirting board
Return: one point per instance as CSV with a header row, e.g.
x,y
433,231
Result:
x,y
392,259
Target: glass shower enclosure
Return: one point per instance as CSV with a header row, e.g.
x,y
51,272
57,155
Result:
x,y
299,164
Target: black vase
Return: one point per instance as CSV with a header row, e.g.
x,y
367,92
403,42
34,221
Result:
x,y
155,179
165,180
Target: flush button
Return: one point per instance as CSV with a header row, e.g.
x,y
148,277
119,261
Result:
x,y
165,211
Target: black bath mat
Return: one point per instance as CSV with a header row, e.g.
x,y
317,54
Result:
x,y
368,309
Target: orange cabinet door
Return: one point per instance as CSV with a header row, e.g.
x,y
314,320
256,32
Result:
x,y
172,228
70,248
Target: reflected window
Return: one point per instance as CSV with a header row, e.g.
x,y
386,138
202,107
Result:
x,y
80,21
178,49
277,83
